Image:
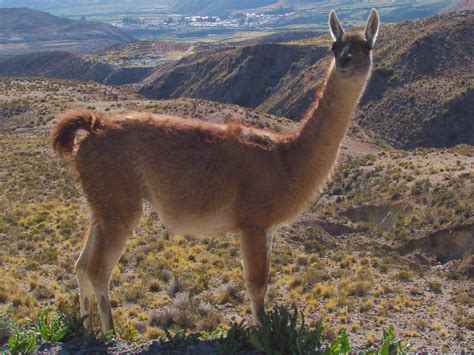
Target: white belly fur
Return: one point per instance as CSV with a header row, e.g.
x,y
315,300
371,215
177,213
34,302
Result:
x,y
208,225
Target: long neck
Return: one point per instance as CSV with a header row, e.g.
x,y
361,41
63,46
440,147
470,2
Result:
x,y
314,149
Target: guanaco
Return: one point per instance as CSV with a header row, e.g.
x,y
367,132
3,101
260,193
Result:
x,y
205,178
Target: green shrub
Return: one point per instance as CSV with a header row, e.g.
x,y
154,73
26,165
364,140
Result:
x,y
281,333
51,330
125,330
390,345
22,342
236,339
180,339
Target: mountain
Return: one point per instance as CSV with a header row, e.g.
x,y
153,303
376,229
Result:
x,y
65,65
54,4
216,7
420,93
25,30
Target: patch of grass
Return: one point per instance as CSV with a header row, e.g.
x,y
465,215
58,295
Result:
x,y
435,286
404,275
359,288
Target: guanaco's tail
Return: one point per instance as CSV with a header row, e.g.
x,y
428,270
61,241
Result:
x,y
67,124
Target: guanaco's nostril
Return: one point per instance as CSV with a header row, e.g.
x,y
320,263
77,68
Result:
x,y
346,58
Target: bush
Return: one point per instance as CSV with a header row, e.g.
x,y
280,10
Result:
x,y
22,342
180,338
51,330
236,339
282,333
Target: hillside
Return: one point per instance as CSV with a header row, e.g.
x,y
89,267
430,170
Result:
x,y
65,65
25,30
389,242
32,103
422,89
147,53
423,59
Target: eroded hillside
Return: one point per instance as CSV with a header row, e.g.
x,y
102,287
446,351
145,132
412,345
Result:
x,y
245,76
422,89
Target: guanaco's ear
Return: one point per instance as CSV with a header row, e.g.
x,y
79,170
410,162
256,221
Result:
x,y
335,26
372,28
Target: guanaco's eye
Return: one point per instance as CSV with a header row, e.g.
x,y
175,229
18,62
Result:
x,y
336,46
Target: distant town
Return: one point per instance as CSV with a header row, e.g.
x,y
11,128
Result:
x,y
250,20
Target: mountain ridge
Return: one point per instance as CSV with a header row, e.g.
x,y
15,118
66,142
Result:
x,y
65,65
25,30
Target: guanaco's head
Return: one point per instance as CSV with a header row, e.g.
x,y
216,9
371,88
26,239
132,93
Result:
x,y
352,48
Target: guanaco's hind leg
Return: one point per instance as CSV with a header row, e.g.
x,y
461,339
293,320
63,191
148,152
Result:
x,y
256,247
94,267
116,206
86,293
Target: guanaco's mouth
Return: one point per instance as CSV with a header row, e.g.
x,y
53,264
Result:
x,y
345,72
346,67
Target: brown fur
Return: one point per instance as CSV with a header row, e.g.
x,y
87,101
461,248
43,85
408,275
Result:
x,y
66,126
204,178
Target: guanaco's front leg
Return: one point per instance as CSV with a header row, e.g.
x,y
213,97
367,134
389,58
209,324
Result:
x,y
256,247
